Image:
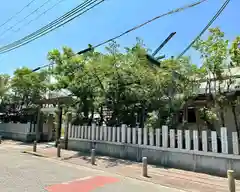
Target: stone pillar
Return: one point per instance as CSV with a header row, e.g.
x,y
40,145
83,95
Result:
x,y
145,135
195,140
139,136
93,131
214,141
224,140
179,139
204,141
172,138
133,135
123,133
114,134
187,140
151,134
59,124
50,125
129,134
109,133
158,137
235,143
38,123
67,127
118,134
165,136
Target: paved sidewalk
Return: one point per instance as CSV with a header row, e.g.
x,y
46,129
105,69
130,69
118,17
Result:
x,y
22,172
180,179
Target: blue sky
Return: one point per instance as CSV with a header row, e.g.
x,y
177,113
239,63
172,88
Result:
x,y
109,19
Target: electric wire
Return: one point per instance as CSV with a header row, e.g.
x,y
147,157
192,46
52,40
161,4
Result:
x,y
205,28
150,21
69,16
16,14
38,16
22,20
134,28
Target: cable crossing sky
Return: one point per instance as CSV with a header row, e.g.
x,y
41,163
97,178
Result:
x,y
62,20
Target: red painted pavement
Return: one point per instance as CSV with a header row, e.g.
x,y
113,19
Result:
x,y
84,185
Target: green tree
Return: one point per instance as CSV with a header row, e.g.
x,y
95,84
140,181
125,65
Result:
x,y
218,60
27,87
4,85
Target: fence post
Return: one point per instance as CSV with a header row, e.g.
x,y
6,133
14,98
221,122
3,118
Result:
x,y
133,135
172,138
105,132
139,136
179,138
145,135
187,140
224,140
123,133
235,143
151,134
195,140
114,134
165,136
231,181
129,134
204,141
101,133
109,133
118,134
214,141
158,136
89,132
85,131
93,131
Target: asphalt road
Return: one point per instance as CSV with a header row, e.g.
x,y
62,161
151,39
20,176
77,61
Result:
x,y
26,173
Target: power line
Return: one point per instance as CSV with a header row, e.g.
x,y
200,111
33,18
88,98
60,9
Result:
x,y
135,28
150,21
52,26
16,14
38,16
34,11
206,27
69,16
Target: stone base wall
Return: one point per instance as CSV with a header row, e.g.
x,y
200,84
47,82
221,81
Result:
x,y
206,162
18,136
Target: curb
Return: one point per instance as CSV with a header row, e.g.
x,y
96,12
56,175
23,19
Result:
x,y
48,156
35,154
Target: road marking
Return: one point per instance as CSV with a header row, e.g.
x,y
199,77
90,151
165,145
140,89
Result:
x,y
85,184
81,179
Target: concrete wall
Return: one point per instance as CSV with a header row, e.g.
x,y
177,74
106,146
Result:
x,y
22,132
207,162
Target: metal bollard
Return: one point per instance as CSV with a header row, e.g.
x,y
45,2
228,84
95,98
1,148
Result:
x,y
93,159
59,150
231,181
144,167
35,146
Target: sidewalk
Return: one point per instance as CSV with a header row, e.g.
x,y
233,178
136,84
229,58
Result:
x,y
179,179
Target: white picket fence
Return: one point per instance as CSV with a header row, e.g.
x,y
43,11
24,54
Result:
x,y
206,141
